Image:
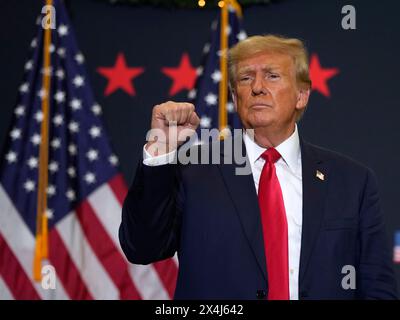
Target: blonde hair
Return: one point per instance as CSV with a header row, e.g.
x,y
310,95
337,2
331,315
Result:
x,y
271,43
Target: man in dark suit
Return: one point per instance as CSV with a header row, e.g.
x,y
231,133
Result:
x,y
305,223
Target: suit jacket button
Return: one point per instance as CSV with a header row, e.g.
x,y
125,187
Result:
x,y
261,294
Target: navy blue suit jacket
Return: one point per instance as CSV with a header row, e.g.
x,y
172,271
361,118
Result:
x,y
210,216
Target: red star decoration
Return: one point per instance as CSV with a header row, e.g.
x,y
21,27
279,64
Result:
x,y
320,76
183,76
120,76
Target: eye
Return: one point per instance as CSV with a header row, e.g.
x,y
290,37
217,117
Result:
x,y
244,78
273,76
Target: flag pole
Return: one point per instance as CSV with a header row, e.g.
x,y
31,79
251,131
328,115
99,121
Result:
x,y
41,239
223,93
223,84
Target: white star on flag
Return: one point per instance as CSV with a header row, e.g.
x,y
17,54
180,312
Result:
x,y
89,178
33,43
73,127
58,120
49,213
59,96
60,74
51,48
113,160
199,71
20,111
70,195
192,94
61,52
79,58
62,30
72,149
24,88
11,157
29,185
75,104
205,122
56,143
95,132
78,81
206,48
241,35
51,190
39,116
28,65
211,99
96,109
42,93
230,107
53,166
36,139
15,133
71,172
216,76
32,162
92,155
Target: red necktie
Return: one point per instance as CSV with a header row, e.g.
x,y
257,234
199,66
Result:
x,y
275,231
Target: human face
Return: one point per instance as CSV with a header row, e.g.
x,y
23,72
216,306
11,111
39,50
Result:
x,y
266,94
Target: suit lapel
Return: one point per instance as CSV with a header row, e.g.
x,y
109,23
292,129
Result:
x,y
244,197
315,182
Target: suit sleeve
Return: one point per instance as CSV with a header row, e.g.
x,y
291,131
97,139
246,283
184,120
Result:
x,y
375,275
151,214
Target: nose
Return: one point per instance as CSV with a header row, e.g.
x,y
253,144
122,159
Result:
x,y
258,86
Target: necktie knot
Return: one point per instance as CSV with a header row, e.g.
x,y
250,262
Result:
x,y
271,155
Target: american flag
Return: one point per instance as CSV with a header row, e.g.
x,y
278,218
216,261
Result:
x,y
206,96
84,193
396,248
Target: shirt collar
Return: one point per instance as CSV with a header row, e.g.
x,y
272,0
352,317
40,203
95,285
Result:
x,y
288,149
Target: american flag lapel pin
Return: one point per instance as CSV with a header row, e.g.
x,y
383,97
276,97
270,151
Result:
x,y
320,175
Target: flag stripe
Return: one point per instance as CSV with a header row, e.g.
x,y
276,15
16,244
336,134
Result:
x,y
92,272
107,207
108,210
66,270
106,251
167,269
118,186
14,275
148,282
5,293
21,242
168,272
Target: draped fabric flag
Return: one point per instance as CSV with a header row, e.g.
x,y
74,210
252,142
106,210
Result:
x,y
211,97
83,188
396,248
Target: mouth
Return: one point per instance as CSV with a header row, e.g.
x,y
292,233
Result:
x,y
260,106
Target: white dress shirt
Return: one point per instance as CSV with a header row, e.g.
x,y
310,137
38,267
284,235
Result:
x,y
288,170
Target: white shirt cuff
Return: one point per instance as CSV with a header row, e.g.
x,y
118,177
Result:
x,y
163,159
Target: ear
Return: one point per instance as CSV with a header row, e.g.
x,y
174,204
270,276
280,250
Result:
x,y
302,98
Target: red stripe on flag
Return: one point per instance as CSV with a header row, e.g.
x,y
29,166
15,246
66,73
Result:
x,y
66,269
167,269
168,272
118,186
14,275
106,251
